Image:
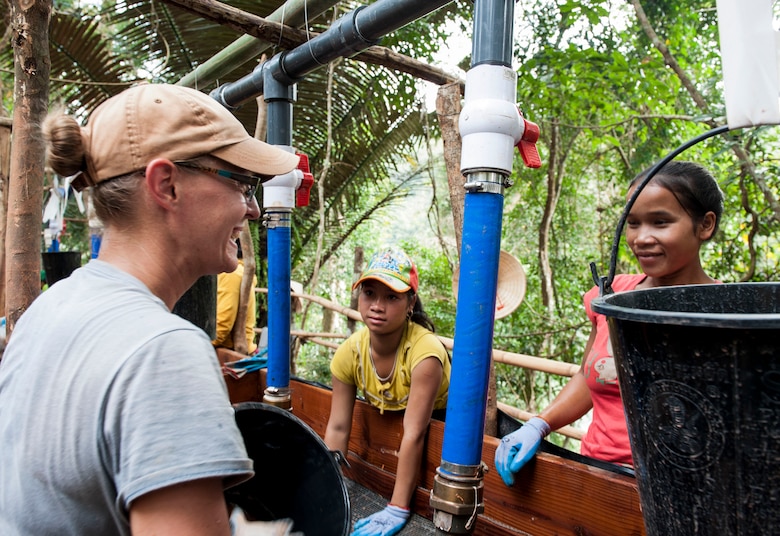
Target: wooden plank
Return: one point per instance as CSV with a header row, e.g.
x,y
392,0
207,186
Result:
x,y
552,495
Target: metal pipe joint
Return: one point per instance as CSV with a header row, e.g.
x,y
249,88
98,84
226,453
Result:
x,y
279,397
456,497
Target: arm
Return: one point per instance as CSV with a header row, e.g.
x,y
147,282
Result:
x,y
517,448
426,379
340,420
192,508
574,399
227,307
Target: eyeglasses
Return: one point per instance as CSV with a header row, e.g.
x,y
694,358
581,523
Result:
x,y
251,181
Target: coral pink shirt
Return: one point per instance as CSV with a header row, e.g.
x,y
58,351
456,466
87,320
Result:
x,y
607,435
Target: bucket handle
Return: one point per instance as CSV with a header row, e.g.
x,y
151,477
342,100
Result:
x,y
604,283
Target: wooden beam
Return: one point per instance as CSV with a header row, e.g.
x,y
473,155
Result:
x,y
287,37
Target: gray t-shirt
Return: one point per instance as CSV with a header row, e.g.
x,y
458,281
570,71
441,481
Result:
x,y
105,396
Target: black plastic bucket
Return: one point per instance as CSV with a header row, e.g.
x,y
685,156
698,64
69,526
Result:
x,y
59,264
699,372
296,476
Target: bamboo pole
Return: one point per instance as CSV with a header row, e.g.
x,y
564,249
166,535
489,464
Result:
x,y
287,37
499,356
568,431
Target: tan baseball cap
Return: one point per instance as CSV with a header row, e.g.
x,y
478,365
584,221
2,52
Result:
x,y
150,121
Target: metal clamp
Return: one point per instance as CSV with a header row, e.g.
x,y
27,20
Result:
x,y
277,219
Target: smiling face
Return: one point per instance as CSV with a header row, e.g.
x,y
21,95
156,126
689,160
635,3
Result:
x,y
384,311
665,239
219,211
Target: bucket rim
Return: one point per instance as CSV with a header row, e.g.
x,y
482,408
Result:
x,y
601,305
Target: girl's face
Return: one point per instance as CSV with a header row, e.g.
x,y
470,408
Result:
x,y
664,238
384,311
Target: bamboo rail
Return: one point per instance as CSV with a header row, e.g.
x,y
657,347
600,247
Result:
x,y
499,356
539,364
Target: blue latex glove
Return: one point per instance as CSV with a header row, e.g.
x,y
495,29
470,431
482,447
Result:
x,y
385,523
517,448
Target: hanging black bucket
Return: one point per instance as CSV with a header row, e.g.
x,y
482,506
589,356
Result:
x,y
699,371
296,476
59,264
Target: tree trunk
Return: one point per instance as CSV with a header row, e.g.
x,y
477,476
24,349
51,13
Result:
x,y
30,38
5,170
448,107
746,163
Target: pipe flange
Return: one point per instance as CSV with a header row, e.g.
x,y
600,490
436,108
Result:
x,y
279,397
457,501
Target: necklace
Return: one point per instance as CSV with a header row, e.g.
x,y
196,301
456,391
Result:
x,y
381,379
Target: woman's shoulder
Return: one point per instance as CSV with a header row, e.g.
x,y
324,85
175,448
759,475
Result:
x,y
415,332
620,283
627,281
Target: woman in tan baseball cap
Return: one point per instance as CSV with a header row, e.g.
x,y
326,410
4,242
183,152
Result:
x,y
115,419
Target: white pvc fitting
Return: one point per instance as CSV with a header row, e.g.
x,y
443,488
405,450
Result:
x,y
490,123
279,192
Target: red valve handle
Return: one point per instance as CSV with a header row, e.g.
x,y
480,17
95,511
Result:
x,y
303,191
527,144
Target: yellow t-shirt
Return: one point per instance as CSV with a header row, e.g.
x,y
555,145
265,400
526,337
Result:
x,y
352,365
228,293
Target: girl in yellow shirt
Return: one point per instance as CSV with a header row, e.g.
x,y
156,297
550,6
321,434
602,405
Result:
x,y
399,365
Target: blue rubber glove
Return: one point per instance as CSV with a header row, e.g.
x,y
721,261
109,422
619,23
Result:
x,y
517,448
385,523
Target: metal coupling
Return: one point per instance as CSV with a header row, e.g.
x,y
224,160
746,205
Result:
x,y
489,182
456,498
276,218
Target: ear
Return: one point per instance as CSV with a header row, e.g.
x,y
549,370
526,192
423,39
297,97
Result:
x,y
706,226
161,176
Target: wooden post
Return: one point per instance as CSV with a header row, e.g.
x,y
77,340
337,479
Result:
x,y
357,269
5,170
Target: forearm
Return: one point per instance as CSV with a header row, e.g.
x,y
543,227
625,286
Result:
x,y
336,439
571,403
340,420
409,461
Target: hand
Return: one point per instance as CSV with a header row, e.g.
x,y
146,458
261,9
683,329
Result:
x,y
518,447
385,523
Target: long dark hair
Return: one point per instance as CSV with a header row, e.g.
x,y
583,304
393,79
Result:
x,y
419,316
693,186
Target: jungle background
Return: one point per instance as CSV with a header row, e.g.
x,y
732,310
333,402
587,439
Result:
x,y
614,85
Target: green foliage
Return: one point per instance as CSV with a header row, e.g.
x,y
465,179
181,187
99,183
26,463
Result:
x,y
609,106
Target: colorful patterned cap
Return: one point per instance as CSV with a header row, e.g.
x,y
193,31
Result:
x,y
392,267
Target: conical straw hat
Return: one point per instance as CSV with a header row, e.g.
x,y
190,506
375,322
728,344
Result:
x,y
510,288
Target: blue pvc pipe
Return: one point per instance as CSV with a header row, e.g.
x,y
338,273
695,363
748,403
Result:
x,y
480,249
278,373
